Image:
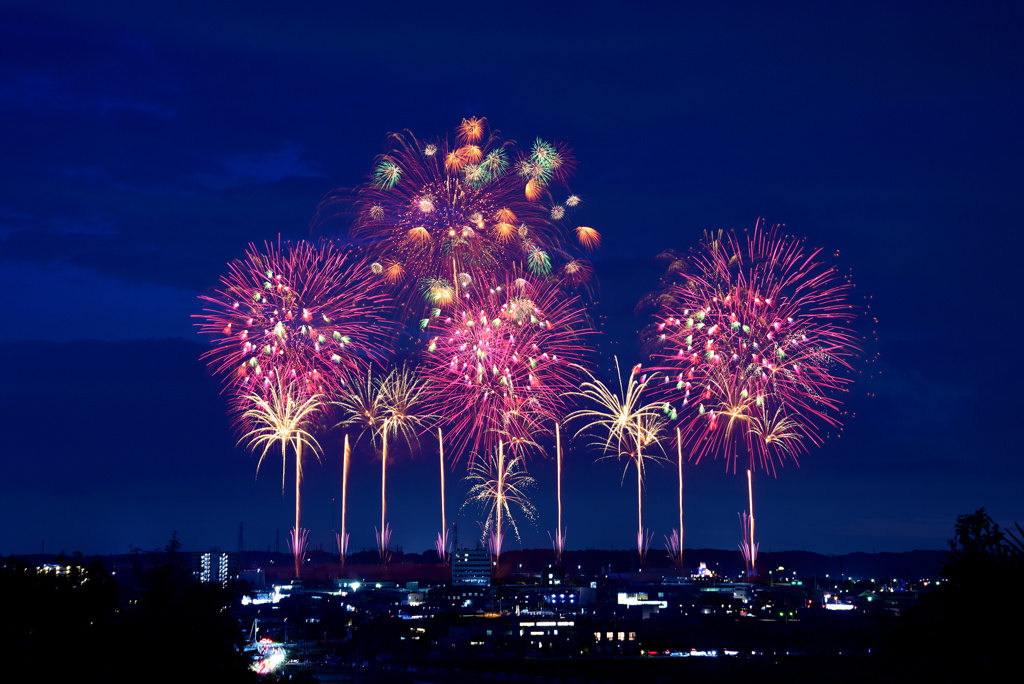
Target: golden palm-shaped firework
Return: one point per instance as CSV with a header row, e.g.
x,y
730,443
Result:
x,y
402,397
499,484
624,427
362,406
778,430
386,407
283,416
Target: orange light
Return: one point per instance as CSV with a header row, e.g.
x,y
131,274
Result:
x,y
419,234
589,238
533,189
505,215
471,130
453,162
393,272
470,154
504,231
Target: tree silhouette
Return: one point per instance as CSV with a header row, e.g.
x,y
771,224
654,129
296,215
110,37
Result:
x,y
960,629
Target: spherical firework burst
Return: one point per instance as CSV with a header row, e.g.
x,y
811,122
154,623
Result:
x,y
502,363
305,308
756,347
434,216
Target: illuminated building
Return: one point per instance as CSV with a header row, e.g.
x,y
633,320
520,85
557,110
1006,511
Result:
x,y
215,566
471,567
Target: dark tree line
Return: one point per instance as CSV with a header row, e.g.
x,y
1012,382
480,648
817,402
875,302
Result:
x,y
81,623
968,626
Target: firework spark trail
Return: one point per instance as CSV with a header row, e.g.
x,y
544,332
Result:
x,y
442,538
499,486
755,349
306,308
558,540
384,499
362,404
342,540
679,532
750,521
384,544
403,400
632,428
674,548
280,418
643,543
747,546
441,546
503,363
298,531
297,542
387,408
343,536
498,508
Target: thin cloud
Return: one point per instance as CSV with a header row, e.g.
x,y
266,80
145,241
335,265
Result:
x,y
268,167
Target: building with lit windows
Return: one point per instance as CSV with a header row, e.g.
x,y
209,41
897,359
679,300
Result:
x,y
471,567
215,566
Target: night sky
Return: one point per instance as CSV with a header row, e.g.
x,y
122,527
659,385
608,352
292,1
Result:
x,y
144,148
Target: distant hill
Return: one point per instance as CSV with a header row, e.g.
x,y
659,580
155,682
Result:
x,y
908,565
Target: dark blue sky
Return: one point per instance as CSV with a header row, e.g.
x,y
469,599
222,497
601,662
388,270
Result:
x,y
145,147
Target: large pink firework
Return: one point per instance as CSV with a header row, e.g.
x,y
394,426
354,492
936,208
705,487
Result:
x,y
756,348
500,365
435,216
305,309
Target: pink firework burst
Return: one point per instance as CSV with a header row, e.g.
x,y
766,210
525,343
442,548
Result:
x,y
435,216
304,309
501,364
755,348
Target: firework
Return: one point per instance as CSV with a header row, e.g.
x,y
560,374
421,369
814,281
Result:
x,y
577,273
457,211
754,348
748,523
589,238
305,307
297,541
545,164
362,404
679,532
502,364
442,538
624,426
558,540
747,546
343,535
498,485
282,417
387,408
674,548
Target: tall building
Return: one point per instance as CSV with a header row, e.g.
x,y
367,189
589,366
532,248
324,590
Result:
x,y
215,566
472,568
